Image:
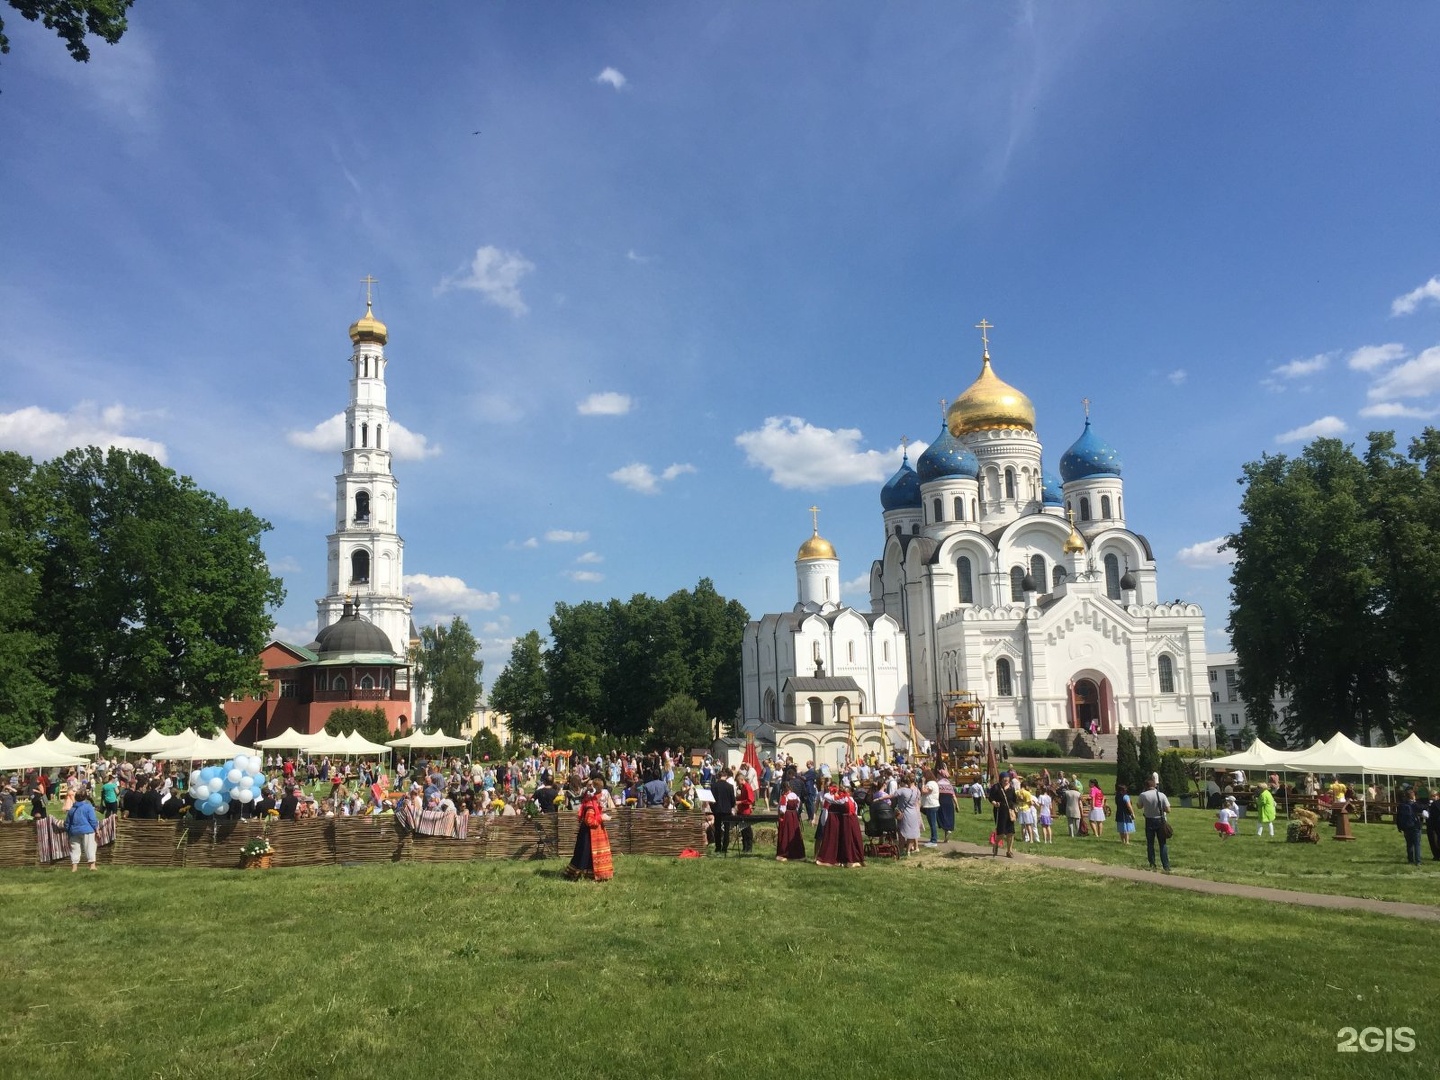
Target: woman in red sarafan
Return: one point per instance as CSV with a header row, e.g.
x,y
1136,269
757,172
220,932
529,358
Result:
x,y
592,843
850,840
789,842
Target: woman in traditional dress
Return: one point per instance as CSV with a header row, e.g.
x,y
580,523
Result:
x,y
827,836
592,844
946,816
845,824
789,841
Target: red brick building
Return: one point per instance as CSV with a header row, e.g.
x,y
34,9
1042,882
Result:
x,y
350,664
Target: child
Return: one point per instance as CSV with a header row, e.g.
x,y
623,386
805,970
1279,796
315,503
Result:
x,y
1226,817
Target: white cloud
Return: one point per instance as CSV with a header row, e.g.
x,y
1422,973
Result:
x,y
638,476
449,594
495,275
1297,369
1419,377
1370,357
855,588
294,635
1177,377
608,403
1383,410
591,557
798,454
1407,304
1326,427
527,543
42,434
635,257
1207,553
565,536
611,77
286,564
328,437
584,575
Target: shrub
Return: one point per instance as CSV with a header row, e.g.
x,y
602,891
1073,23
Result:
x,y
1035,748
1149,754
1127,761
1174,780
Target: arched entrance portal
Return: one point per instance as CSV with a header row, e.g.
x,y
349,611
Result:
x,y
1091,703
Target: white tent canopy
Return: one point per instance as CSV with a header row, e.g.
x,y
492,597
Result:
x,y
63,744
36,757
1412,757
199,748
1337,754
1255,756
432,741
357,744
152,742
290,739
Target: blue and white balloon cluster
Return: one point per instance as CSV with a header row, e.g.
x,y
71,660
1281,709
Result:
x,y
215,787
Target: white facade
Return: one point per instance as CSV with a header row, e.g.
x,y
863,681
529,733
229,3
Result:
x,y
1053,624
365,552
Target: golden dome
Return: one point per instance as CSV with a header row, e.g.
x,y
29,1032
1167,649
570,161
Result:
x,y
1074,544
990,403
368,328
817,547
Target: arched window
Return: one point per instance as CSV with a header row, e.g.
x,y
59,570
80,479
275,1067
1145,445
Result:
x,y
377,436
1084,509
1017,583
850,651
966,578
364,434
815,652
1057,577
817,711
915,529
367,683
770,705
898,530
1167,674
1004,679
1009,483
973,515
359,567
842,710
337,683
959,508
384,682
1119,507
362,507
939,510
1105,507
885,651
1112,577
1037,570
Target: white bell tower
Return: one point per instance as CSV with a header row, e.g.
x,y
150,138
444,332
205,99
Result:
x,y
365,552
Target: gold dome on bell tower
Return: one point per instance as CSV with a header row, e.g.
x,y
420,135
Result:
x,y
989,402
367,327
817,547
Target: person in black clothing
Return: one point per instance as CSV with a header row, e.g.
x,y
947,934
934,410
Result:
x,y
288,805
1002,798
173,807
39,805
724,807
546,794
130,801
150,801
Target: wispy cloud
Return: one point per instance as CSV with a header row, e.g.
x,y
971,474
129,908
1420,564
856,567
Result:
x,y
1419,377
797,454
447,594
1387,410
584,575
1411,301
611,77
495,275
638,476
528,543
1327,427
1177,377
286,564
40,433
1207,553
635,257
566,536
608,403
856,587
328,436
1298,369
1370,357
591,558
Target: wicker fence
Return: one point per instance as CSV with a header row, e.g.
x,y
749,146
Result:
x,y
323,841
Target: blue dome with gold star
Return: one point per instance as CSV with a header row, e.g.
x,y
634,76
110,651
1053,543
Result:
x,y
902,491
947,456
1051,492
1089,457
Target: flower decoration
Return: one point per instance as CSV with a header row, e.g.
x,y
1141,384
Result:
x,y
257,848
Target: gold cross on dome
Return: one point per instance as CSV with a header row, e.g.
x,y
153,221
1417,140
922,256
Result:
x,y
1086,402
984,328
815,519
368,281
905,442
943,404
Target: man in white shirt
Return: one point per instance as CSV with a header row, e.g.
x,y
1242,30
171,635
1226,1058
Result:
x,y
1154,805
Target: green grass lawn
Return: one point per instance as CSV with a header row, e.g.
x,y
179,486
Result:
x,y
738,968
1373,865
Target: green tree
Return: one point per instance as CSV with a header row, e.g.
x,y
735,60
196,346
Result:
x,y
447,666
72,20
711,629
576,663
1127,762
521,690
647,664
1174,779
1149,755
1308,616
26,662
679,721
371,723
157,593
485,746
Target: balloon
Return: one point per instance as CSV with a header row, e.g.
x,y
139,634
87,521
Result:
x,y
234,776
201,792
214,801
247,783
195,780
222,809
244,795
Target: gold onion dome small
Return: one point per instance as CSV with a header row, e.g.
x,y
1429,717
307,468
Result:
x,y
1074,544
368,328
990,403
817,547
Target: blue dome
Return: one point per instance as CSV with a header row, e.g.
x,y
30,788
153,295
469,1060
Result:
x,y
1090,456
902,491
1051,493
945,457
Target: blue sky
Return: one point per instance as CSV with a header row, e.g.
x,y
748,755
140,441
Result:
x,y
705,265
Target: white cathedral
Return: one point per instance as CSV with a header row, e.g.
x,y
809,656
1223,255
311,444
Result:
x,y
997,578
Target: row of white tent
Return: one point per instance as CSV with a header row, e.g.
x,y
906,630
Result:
x,y
63,752
1341,755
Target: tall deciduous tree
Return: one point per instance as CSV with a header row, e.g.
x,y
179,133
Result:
x,y
72,20
26,662
577,663
522,691
447,666
369,723
157,593
680,722
712,628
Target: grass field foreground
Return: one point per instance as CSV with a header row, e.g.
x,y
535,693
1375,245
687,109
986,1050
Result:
x,y
712,968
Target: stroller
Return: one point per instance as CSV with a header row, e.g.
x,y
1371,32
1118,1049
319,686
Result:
x,y
882,833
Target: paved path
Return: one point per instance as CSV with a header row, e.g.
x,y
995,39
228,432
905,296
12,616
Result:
x,y
1205,885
